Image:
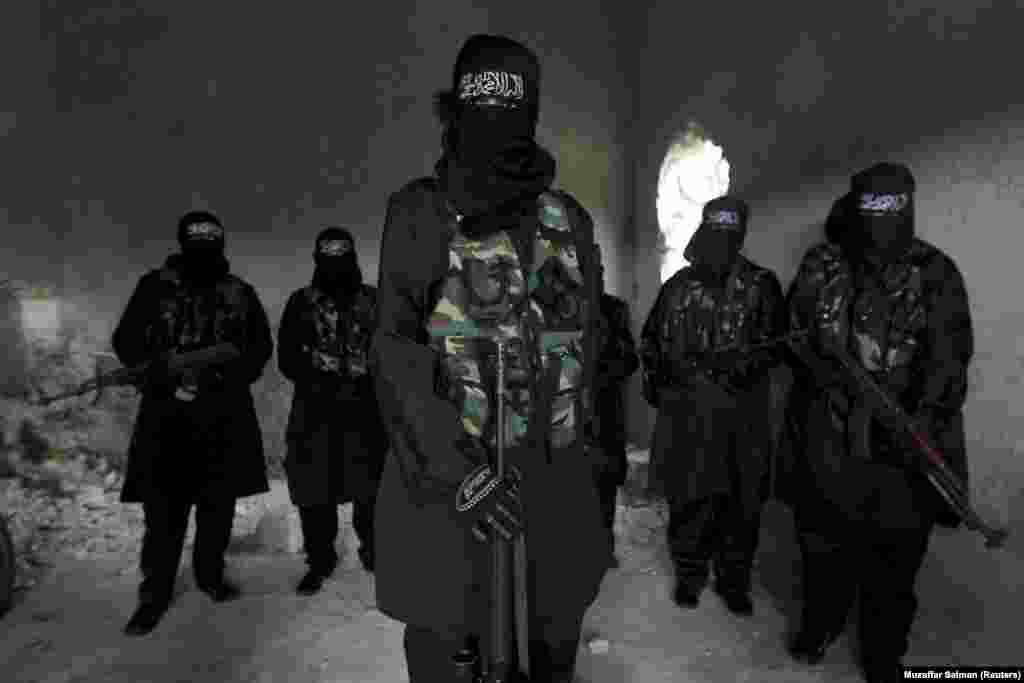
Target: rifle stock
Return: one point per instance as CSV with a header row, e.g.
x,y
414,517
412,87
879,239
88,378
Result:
x,y
135,375
892,416
721,357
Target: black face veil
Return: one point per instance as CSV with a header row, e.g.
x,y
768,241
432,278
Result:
x,y
491,159
882,198
337,267
716,244
201,237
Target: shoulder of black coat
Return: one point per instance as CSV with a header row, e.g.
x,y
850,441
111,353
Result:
x,y
237,284
615,303
933,260
681,276
822,252
759,273
414,190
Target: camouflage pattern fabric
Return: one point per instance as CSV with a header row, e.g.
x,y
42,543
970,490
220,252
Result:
x,y
691,319
193,318
342,334
485,296
883,321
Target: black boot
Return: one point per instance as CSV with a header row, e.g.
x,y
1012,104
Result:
x,y
314,579
736,600
145,618
222,591
883,670
810,647
685,596
366,557
311,583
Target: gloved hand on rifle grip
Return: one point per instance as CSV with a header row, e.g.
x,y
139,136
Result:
x,y
490,505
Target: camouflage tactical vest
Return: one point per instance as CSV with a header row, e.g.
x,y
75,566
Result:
x,y
341,334
488,294
881,318
697,319
192,318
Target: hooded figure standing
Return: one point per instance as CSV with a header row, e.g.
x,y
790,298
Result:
x,y
485,250
787,482
709,449
617,362
336,441
196,440
864,512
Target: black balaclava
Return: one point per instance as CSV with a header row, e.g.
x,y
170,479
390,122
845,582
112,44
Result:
x,y
883,206
717,243
337,268
201,237
491,159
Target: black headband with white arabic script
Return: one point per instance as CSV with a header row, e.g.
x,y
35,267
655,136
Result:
x,y
724,219
334,246
882,203
500,84
203,231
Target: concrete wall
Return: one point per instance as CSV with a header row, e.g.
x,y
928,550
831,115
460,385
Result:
x,y
281,121
801,95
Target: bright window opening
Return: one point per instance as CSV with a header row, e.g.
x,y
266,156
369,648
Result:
x,y
40,315
694,172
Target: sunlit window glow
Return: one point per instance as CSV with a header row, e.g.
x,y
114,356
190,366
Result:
x,y
694,172
40,315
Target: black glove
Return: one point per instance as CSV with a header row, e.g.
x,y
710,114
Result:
x,y
488,504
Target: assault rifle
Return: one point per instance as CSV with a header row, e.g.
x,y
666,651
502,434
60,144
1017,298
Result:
x,y
893,417
719,357
178,363
497,667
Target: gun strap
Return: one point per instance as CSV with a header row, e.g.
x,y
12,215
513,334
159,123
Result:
x,y
858,429
540,421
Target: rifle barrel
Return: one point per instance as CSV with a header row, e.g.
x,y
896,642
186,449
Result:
x,y
499,665
950,486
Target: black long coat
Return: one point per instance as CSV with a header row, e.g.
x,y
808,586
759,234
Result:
x,y
430,571
712,433
929,315
212,447
335,439
618,361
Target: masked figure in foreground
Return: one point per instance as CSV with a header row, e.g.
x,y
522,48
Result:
x,y
486,250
